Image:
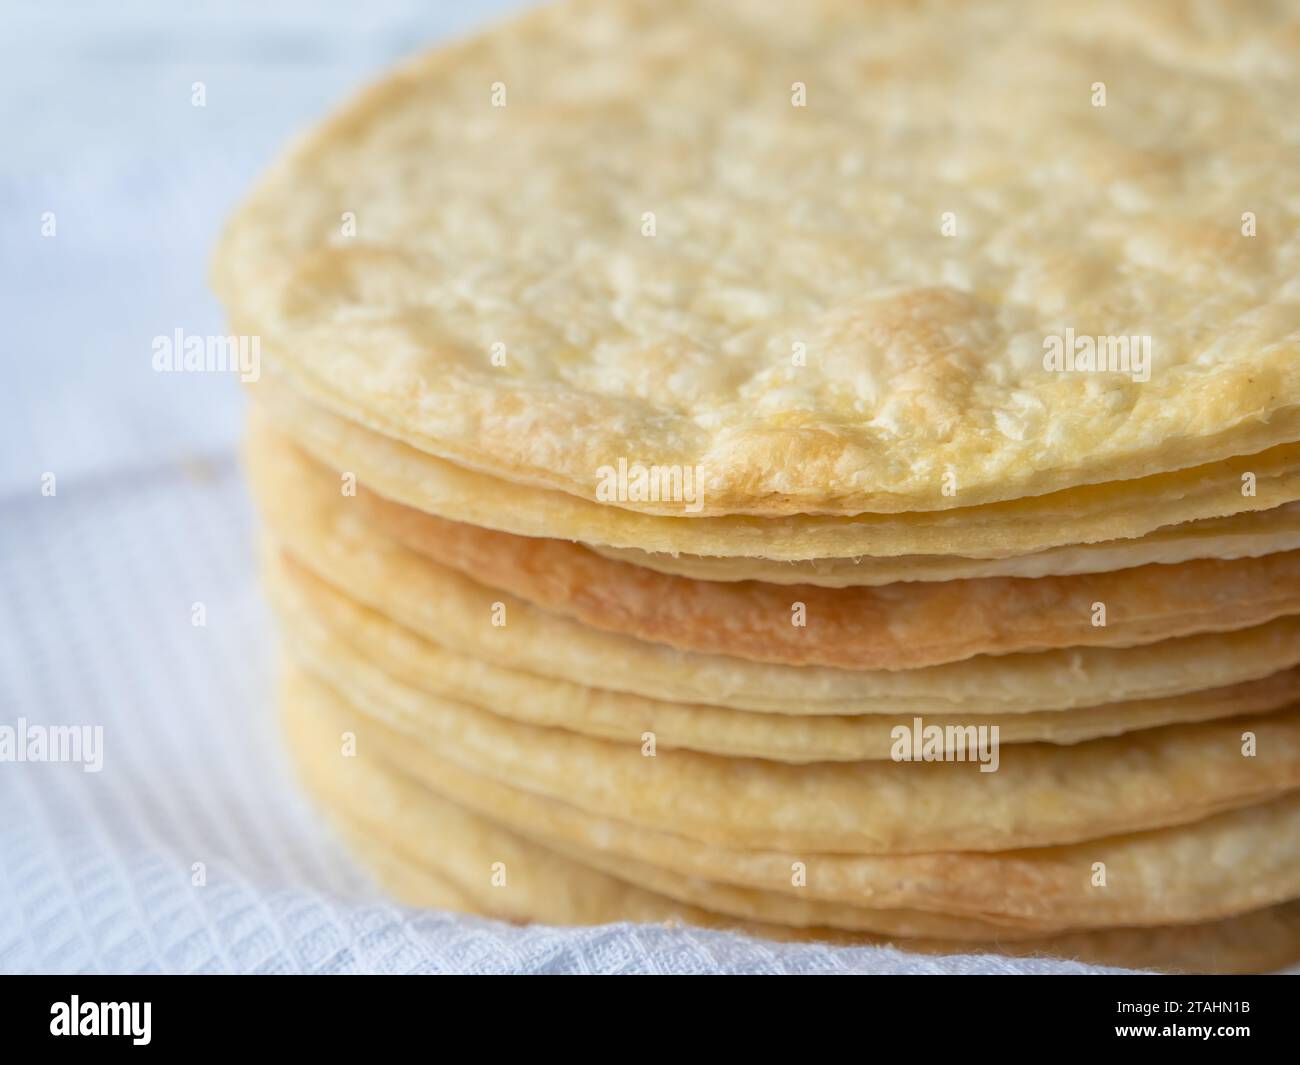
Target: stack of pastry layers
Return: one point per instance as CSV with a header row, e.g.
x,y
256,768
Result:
x,y
519,696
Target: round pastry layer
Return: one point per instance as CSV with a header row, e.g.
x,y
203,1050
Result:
x,y
1221,865
330,537
321,624
432,852
576,244
1095,514
1035,795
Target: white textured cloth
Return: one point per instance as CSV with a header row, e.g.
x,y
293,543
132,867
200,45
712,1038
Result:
x,y
149,518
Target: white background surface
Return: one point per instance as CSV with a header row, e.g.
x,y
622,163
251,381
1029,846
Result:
x,y
150,516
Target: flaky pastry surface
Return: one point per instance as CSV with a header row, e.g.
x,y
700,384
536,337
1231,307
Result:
x,y
779,228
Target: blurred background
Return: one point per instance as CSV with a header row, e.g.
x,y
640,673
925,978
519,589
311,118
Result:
x,y
98,126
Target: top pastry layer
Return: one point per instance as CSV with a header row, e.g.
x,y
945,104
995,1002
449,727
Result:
x,y
816,253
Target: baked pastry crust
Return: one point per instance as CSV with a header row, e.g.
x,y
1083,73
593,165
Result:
x,y
323,626
1248,535
779,225
1086,515
429,851
1222,865
1040,795
896,627
326,533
